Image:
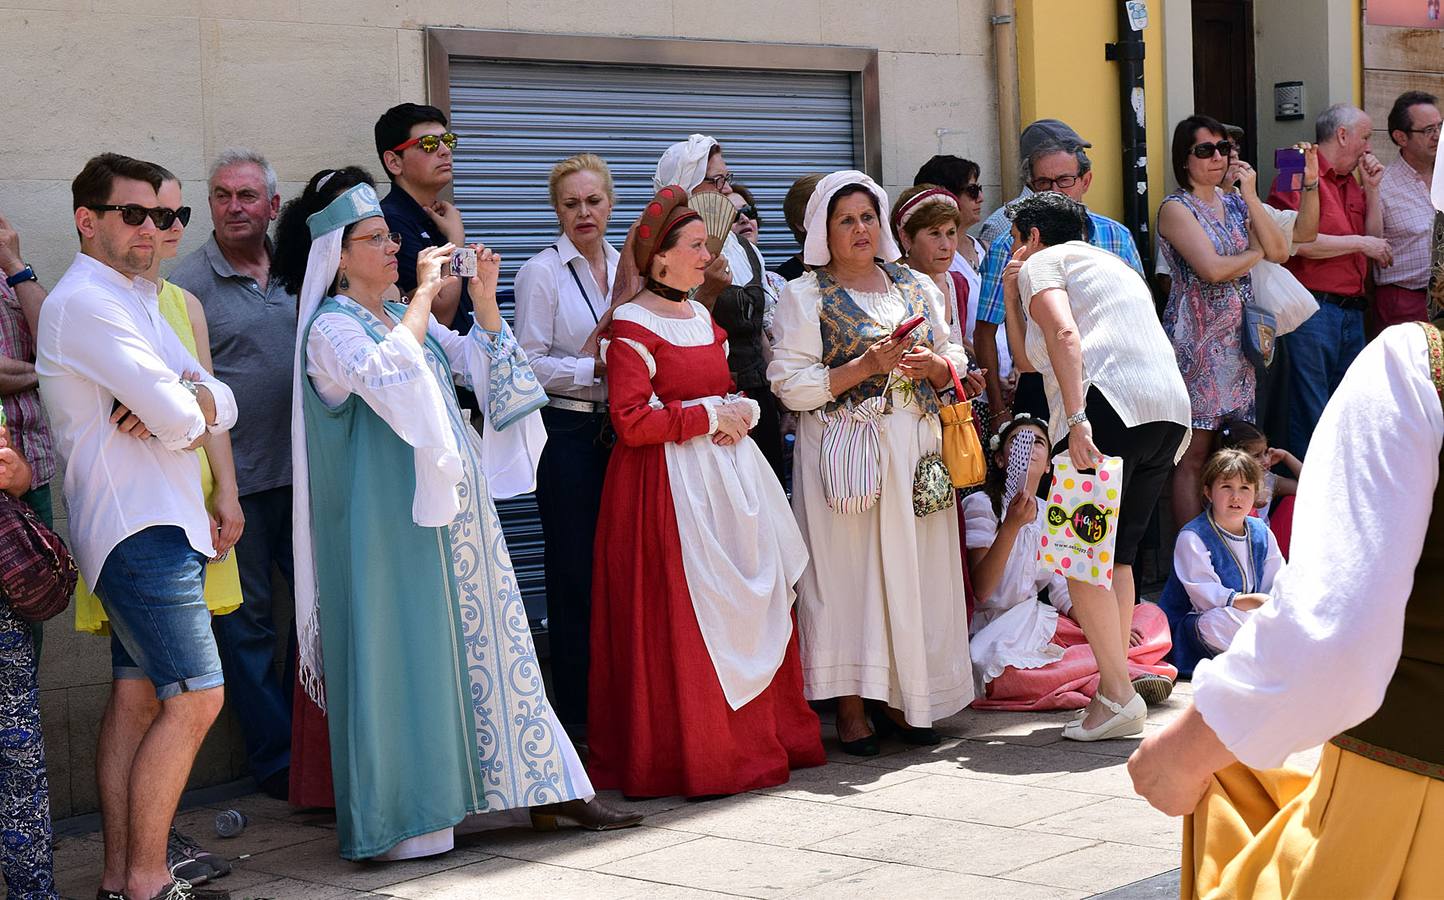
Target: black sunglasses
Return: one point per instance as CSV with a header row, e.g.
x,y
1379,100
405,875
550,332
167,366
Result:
x,y
747,212
973,191
133,214
1206,149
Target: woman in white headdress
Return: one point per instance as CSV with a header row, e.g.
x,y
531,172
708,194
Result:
x,y
412,632
882,614
734,287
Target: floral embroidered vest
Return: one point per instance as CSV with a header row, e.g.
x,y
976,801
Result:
x,y
847,332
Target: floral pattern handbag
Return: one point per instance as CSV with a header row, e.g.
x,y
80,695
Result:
x,y
932,484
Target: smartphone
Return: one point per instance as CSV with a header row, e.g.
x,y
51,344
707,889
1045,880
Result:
x,y
907,327
1289,162
461,264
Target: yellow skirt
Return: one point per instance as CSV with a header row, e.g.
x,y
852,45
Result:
x,y
1356,830
223,579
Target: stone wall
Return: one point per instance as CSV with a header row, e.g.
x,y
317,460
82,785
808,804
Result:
x,y
302,81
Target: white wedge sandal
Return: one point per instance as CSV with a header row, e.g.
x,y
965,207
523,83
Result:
x,y
1127,720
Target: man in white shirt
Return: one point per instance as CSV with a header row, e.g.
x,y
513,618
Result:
x,y
128,404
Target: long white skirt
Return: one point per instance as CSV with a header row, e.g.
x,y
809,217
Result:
x,y
881,608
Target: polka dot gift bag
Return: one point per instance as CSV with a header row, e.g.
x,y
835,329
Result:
x,y
1081,525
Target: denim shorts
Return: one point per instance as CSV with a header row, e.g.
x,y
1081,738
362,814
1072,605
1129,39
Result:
x,y
152,587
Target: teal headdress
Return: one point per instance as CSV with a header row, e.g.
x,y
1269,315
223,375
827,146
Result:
x,y
353,205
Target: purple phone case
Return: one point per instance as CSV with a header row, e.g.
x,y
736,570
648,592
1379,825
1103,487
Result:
x,y
1289,162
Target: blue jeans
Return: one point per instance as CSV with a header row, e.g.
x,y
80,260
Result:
x,y
247,637
152,586
1320,352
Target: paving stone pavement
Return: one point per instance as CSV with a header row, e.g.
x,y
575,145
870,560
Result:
x,y
1004,809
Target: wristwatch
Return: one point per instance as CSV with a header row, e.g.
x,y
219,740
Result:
x,y
1078,418
24,275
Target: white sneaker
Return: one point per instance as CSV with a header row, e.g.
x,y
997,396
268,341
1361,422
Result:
x,y
1127,720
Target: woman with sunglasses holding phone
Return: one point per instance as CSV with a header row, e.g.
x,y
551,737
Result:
x,y
1211,237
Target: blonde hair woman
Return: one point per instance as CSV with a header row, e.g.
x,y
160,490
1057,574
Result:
x,y
561,296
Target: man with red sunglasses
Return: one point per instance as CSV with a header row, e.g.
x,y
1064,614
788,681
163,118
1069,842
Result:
x,y
415,148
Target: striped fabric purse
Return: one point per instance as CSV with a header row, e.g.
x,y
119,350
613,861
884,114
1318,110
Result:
x,y
852,455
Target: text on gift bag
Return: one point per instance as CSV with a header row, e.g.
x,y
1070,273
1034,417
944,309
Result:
x,y
1081,521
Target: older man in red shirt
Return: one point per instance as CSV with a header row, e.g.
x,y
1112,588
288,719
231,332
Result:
x,y
1334,266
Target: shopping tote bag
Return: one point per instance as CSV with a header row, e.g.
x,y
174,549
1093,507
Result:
x,y
1081,524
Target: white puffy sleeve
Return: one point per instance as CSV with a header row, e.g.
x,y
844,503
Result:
x,y
392,377
1363,508
1273,565
799,377
1194,568
980,525
493,365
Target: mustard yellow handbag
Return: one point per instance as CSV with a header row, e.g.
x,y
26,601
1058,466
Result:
x,y
962,448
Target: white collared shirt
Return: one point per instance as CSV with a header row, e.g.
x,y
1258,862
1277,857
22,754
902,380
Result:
x,y
102,339
554,320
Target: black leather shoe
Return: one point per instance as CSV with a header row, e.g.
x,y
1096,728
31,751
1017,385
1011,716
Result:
x,y
885,725
863,746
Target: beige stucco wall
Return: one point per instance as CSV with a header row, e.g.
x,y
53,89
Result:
x,y
302,81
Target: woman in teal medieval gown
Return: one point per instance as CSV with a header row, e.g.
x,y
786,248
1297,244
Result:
x,y
413,636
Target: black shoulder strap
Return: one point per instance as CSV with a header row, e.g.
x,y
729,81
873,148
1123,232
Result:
x,y
576,279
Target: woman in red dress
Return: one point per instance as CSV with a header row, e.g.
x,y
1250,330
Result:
x,y
696,687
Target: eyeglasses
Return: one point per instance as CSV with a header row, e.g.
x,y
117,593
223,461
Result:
x,y
379,239
747,211
1206,150
429,143
719,181
134,214
1431,131
975,191
1043,185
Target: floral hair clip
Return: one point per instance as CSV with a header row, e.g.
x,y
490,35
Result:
x,y
1022,418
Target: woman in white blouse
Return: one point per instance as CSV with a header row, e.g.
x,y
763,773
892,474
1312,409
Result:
x,y
561,295
882,613
1084,320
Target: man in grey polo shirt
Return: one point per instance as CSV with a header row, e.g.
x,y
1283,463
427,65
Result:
x,y
252,323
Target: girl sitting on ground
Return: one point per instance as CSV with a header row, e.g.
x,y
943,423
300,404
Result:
x,y
1027,652
1224,562
1275,501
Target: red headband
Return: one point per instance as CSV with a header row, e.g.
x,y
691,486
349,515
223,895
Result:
x,y
905,211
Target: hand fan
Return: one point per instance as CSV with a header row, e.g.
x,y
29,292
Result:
x,y
717,214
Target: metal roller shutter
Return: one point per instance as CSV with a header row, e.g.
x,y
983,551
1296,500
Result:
x,y
516,120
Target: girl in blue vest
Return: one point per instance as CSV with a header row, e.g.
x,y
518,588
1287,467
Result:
x,y
1224,563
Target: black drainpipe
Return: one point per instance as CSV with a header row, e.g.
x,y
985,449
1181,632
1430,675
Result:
x,y
1128,53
